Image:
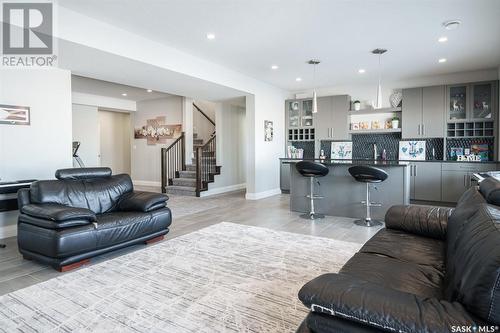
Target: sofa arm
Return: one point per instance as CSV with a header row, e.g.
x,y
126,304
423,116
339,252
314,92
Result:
x,y
425,221
142,201
346,297
58,213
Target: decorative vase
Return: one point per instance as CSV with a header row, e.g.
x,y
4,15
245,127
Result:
x,y
396,98
357,106
395,124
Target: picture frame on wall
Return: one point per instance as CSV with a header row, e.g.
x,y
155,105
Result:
x,y
14,115
268,130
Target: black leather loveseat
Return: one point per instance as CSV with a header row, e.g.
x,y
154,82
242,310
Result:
x,y
86,212
430,270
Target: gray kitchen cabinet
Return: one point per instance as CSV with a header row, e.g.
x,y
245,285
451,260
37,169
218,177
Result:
x,y
412,113
454,184
340,121
433,111
423,112
323,119
456,178
285,177
426,181
332,119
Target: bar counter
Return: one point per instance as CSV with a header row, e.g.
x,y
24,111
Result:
x,y
343,195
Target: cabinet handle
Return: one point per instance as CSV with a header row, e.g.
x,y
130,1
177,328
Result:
x,y
411,170
423,129
464,181
418,129
415,171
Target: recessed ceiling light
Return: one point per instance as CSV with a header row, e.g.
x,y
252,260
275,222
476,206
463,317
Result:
x,y
298,79
274,67
149,90
451,24
442,60
361,71
124,94
210,36
443,39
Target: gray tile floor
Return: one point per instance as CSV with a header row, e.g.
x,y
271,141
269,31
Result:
x,y
190,214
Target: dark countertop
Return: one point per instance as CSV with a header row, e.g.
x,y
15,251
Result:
x,y
344,162
387,162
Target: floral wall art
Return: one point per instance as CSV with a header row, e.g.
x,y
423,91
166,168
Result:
x,y
157,132
14,115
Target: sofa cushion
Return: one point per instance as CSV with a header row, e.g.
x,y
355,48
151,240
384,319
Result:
x,y
58,213
408,248
474,256
490,189
421,280
110,229
100,195
116,227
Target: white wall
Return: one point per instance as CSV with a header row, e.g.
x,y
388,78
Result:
x,y
38,150
86,130
231,148
103,101
146,163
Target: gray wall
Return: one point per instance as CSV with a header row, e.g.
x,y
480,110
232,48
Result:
x,y
86,130
231,146
201,125
146,167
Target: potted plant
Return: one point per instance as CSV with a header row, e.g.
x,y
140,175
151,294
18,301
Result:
x,y
357,105
395,122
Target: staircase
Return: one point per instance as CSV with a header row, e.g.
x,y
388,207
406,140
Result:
x,y
185,181
180,178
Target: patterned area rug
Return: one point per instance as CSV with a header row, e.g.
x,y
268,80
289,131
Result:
x,y
224,278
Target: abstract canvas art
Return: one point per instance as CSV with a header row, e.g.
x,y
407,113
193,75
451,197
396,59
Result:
x,y
341,150
156,131
412,150
14,115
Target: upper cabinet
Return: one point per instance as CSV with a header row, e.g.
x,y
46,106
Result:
x,y
299,113
423,112
332,119
482,100
293,114
473,101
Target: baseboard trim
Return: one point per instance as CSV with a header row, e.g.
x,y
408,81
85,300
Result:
x,y
262,195
225,189
146,183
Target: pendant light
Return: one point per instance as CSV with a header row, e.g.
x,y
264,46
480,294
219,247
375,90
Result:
x,y
314,62
379,52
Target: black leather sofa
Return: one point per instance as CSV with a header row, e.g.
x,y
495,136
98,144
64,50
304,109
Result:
x,y
84,213
430,270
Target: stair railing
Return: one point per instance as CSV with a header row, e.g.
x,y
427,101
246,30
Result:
x,y
173,160
204,114
206,165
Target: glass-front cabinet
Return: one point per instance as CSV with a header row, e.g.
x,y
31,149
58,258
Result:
x,y
457,102
307,115
474,101
482,100
300,113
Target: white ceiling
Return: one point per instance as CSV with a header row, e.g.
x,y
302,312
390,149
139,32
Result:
x,y
109,89
251,35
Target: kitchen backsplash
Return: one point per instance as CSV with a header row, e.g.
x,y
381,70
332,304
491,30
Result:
x,y
362,146
308,147
466,143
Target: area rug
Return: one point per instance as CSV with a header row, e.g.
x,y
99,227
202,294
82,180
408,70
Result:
x,y
224,278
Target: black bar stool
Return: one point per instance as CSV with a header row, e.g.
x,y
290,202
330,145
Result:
x,y
369,175
312,170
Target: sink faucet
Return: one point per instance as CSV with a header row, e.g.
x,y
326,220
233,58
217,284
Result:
x,y
375,153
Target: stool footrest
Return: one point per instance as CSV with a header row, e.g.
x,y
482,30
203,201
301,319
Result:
x,y
314,196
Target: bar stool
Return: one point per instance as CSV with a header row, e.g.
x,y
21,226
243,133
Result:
x,y
312,170
369,175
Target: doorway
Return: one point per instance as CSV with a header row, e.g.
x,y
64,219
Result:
x,y
115,133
